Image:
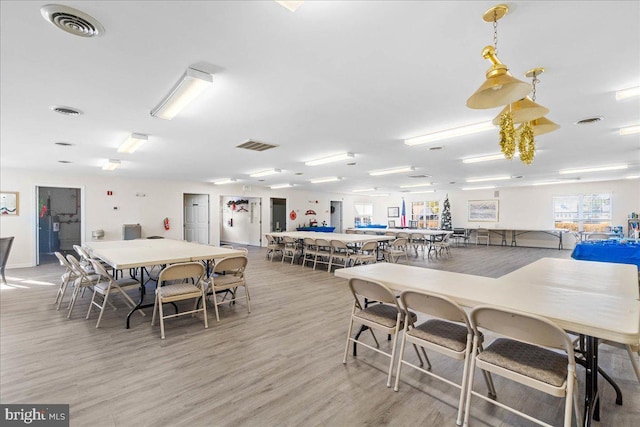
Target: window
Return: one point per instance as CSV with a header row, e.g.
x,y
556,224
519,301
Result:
x,y
364,213
426,213
583,212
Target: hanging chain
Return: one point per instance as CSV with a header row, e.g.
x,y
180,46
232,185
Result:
x,y
495,31
534,81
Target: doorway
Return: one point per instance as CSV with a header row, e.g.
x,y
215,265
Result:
x,y
59,222
196,218
336,215
278,214
241,220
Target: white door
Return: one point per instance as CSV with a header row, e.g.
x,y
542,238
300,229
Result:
x,y
196,218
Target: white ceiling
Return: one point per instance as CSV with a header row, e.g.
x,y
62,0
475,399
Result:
x,y
334,76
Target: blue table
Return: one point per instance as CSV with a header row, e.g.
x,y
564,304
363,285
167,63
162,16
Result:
x,y
621,252
318,229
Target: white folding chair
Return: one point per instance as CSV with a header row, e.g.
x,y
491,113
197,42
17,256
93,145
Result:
x,y
526,352
310,249
67,277
323,253
83,281
290,249
106,285
341,254
232,279
397,249
179,282
367,253
273,246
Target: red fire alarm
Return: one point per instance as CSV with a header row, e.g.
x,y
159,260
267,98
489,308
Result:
x,y
109,193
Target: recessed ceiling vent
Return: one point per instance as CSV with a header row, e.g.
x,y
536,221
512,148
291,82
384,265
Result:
x,y
67,111
72,20
256,146
419,176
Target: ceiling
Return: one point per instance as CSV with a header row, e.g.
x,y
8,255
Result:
x,y
334,76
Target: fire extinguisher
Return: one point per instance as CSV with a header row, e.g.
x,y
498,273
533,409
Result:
x,y
167,226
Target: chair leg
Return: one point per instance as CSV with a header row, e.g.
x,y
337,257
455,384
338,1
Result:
x,y
400,358
346,347
155,311
61,292
161,318
215,306
104,303
634,361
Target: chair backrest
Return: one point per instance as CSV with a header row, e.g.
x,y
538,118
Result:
x,y
371,245
5,249
389,233
339,244
270,239
81,252
446,237
371,232
400,242
63,261
77,267
598,236
100,270
323,243
186,270
371,290
520,326
227,246
350,231
404,235
482,232
245,251
288,240
234,264
308,241
434,305
417,236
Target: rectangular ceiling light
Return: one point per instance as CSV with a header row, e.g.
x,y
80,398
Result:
x,y
422,191
566,181
392,171
495,178
487,158
633,177
224,181
450,133
192,83
426,184
363,190
323,180
627,93
292,5
486,187
111,165
277,186
378,195
630,130
597,169
330,159
265,173
132,143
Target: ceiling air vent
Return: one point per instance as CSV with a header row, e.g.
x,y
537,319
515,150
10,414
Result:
x,y
67,111
256,146
589,120
419,176
72,20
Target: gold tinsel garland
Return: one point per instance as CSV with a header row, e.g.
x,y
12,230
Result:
x,y
507,135
526,144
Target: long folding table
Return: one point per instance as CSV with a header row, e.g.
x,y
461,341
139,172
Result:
x,y
140,253
597,300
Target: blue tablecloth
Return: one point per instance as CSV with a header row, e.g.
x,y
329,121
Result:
x,y
318,229
621,252
371,226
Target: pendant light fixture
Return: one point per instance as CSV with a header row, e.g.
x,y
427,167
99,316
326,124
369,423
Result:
x,y
500,87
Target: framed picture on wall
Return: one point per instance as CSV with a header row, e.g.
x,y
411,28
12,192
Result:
x,y
9,203
483,210
393,212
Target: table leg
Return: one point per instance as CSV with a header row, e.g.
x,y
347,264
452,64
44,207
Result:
x,y
513,238
139,304
591,399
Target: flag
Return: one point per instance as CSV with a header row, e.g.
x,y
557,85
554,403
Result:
x,y
403,216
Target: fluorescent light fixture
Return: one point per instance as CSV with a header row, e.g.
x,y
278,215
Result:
x,y
426,184
291,5
597,169
487,158
132,143
630,130
330,159
633,177
378,195
450,133
567,181
277,186
487,187
192,83
265,173
627,93
111,165
364,190
391,171
422,191
225,181
323,180
495,178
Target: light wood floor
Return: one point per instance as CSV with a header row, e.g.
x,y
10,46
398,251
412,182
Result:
x,y
281,365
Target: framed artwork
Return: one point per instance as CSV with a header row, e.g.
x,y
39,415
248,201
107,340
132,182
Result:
x,y
393,212
483,210
9,203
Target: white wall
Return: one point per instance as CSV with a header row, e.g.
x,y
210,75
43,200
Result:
x,y
519,207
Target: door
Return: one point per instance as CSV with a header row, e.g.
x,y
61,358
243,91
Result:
x,y
58,216
278,214
336,215
196,218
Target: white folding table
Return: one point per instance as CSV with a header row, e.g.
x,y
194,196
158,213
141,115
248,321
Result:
x,y
134,254
598,300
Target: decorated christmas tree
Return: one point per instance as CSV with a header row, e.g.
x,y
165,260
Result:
x,y
445,219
